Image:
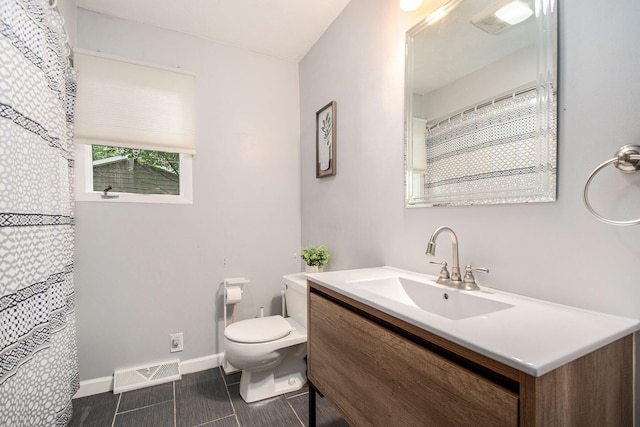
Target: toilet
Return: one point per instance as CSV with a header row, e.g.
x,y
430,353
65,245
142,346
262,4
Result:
x,y
271,350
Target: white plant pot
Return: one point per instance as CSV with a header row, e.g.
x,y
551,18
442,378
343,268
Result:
x,y
313,269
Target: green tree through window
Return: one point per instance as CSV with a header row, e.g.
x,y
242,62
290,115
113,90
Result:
x,y
160,159
137,171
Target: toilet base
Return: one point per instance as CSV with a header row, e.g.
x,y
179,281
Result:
x,y
289,376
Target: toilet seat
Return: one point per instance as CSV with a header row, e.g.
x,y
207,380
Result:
x,y
259,330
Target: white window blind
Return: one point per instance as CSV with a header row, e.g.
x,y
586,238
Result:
x,y
130,104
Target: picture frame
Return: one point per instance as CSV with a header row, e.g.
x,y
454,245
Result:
x,y
326,141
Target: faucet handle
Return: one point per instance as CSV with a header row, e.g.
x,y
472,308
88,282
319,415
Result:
x,y
469,281
444,273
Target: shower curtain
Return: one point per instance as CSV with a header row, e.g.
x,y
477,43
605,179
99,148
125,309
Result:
x,y
38,356
486,150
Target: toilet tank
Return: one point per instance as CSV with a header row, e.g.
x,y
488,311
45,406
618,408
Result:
x,y
296,297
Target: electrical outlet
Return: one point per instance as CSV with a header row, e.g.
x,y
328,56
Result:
x,y
176,342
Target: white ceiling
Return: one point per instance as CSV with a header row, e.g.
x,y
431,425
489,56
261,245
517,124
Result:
x,y
453,47
285,29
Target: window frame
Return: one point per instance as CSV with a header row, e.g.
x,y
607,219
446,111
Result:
x,y
84,182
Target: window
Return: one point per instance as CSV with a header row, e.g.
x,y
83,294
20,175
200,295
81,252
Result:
x,y
127,170
131,175
134,130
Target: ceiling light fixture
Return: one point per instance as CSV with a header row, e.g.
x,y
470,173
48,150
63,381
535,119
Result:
x,y
514,12
410,5
502,15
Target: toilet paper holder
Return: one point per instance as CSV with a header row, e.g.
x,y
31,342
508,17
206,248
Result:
x,y
227,284
231,295
231,285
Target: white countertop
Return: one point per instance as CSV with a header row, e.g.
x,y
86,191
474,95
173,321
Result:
x,y
534,336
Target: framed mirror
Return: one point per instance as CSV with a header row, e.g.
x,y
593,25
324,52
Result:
x,y
480,104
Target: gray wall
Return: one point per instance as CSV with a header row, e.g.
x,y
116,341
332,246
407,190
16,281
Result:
x,y
68,10
555,251
143,271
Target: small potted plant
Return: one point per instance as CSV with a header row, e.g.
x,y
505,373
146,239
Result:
x,y
316,257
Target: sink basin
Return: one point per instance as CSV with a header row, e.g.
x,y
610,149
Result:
x,y
450,303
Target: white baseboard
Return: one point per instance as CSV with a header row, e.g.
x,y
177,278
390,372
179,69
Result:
x,y
94,386
105,384
201,363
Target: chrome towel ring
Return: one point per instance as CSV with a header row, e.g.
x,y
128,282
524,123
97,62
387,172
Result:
x,y
627,160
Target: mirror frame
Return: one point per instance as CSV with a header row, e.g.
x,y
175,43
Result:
x,y
544,188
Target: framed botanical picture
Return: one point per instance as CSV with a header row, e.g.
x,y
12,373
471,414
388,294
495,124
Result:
x,y
326,140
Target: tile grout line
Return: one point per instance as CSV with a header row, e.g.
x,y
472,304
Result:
x,y
145,407
226,387
214,421
175,410
296,395
115,414
294,410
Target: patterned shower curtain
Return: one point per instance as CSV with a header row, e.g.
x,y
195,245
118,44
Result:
x,y
38,356
487,150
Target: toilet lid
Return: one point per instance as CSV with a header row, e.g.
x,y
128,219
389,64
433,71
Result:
x,y
261,329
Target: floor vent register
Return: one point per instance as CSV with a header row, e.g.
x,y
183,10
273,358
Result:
x,y
146,376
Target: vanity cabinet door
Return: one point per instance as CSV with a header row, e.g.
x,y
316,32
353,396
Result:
x,y
377,377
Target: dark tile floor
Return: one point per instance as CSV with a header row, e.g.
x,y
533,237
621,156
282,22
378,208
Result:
x,y
208,398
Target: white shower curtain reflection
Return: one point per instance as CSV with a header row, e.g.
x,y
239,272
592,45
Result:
x,y
38,356
489,154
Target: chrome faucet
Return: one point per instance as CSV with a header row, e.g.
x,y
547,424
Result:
x,y
456,278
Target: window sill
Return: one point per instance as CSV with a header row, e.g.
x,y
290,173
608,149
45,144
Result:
x,y
96,196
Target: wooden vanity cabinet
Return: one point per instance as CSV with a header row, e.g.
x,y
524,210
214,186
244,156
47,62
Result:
x,y
378,370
